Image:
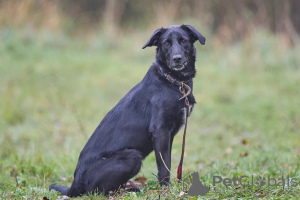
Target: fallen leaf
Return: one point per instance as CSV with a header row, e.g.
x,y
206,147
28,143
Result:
x,y
140,179
228,150
244,154
187,169
245,141
133,186
181,193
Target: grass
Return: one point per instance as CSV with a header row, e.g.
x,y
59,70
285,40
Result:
x,y
55,90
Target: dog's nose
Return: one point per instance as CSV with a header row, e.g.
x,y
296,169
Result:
x,y
177,58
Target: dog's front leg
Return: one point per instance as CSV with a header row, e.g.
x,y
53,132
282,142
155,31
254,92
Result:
x,y
162,148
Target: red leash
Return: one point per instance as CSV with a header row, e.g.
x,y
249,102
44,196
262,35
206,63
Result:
x,y
179,168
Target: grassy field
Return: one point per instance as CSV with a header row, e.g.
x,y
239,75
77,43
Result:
x,y
55,90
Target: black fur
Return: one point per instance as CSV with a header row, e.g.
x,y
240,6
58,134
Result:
x,y
147,118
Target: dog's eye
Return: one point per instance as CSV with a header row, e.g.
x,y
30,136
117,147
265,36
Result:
x,y
167,43
184,41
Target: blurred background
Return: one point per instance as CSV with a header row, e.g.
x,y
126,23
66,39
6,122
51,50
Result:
x,y
227,21
65,64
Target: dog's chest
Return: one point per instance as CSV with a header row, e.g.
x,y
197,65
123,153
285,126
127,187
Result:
x,y
179,117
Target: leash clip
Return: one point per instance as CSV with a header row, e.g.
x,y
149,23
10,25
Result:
x,y
181,88
184,89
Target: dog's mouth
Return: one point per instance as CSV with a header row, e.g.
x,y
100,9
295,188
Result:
x,y
178,67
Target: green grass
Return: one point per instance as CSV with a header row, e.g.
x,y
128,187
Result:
x,y
55,90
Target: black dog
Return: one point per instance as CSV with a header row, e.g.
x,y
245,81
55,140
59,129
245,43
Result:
x,y
146,119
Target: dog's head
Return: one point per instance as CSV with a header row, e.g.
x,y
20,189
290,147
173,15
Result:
x,y
175,46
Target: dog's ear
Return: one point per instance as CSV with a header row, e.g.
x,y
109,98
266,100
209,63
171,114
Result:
x,y
196,35
153,41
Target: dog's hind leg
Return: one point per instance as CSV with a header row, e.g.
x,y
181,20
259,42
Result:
x,y
60,188
109,172
117,169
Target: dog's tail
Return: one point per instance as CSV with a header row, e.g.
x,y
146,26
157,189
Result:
x,y
60,188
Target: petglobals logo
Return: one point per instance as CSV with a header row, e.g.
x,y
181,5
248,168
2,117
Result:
x,y
256,181
199,189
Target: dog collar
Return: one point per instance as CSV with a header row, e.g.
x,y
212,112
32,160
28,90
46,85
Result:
x,y
183,87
